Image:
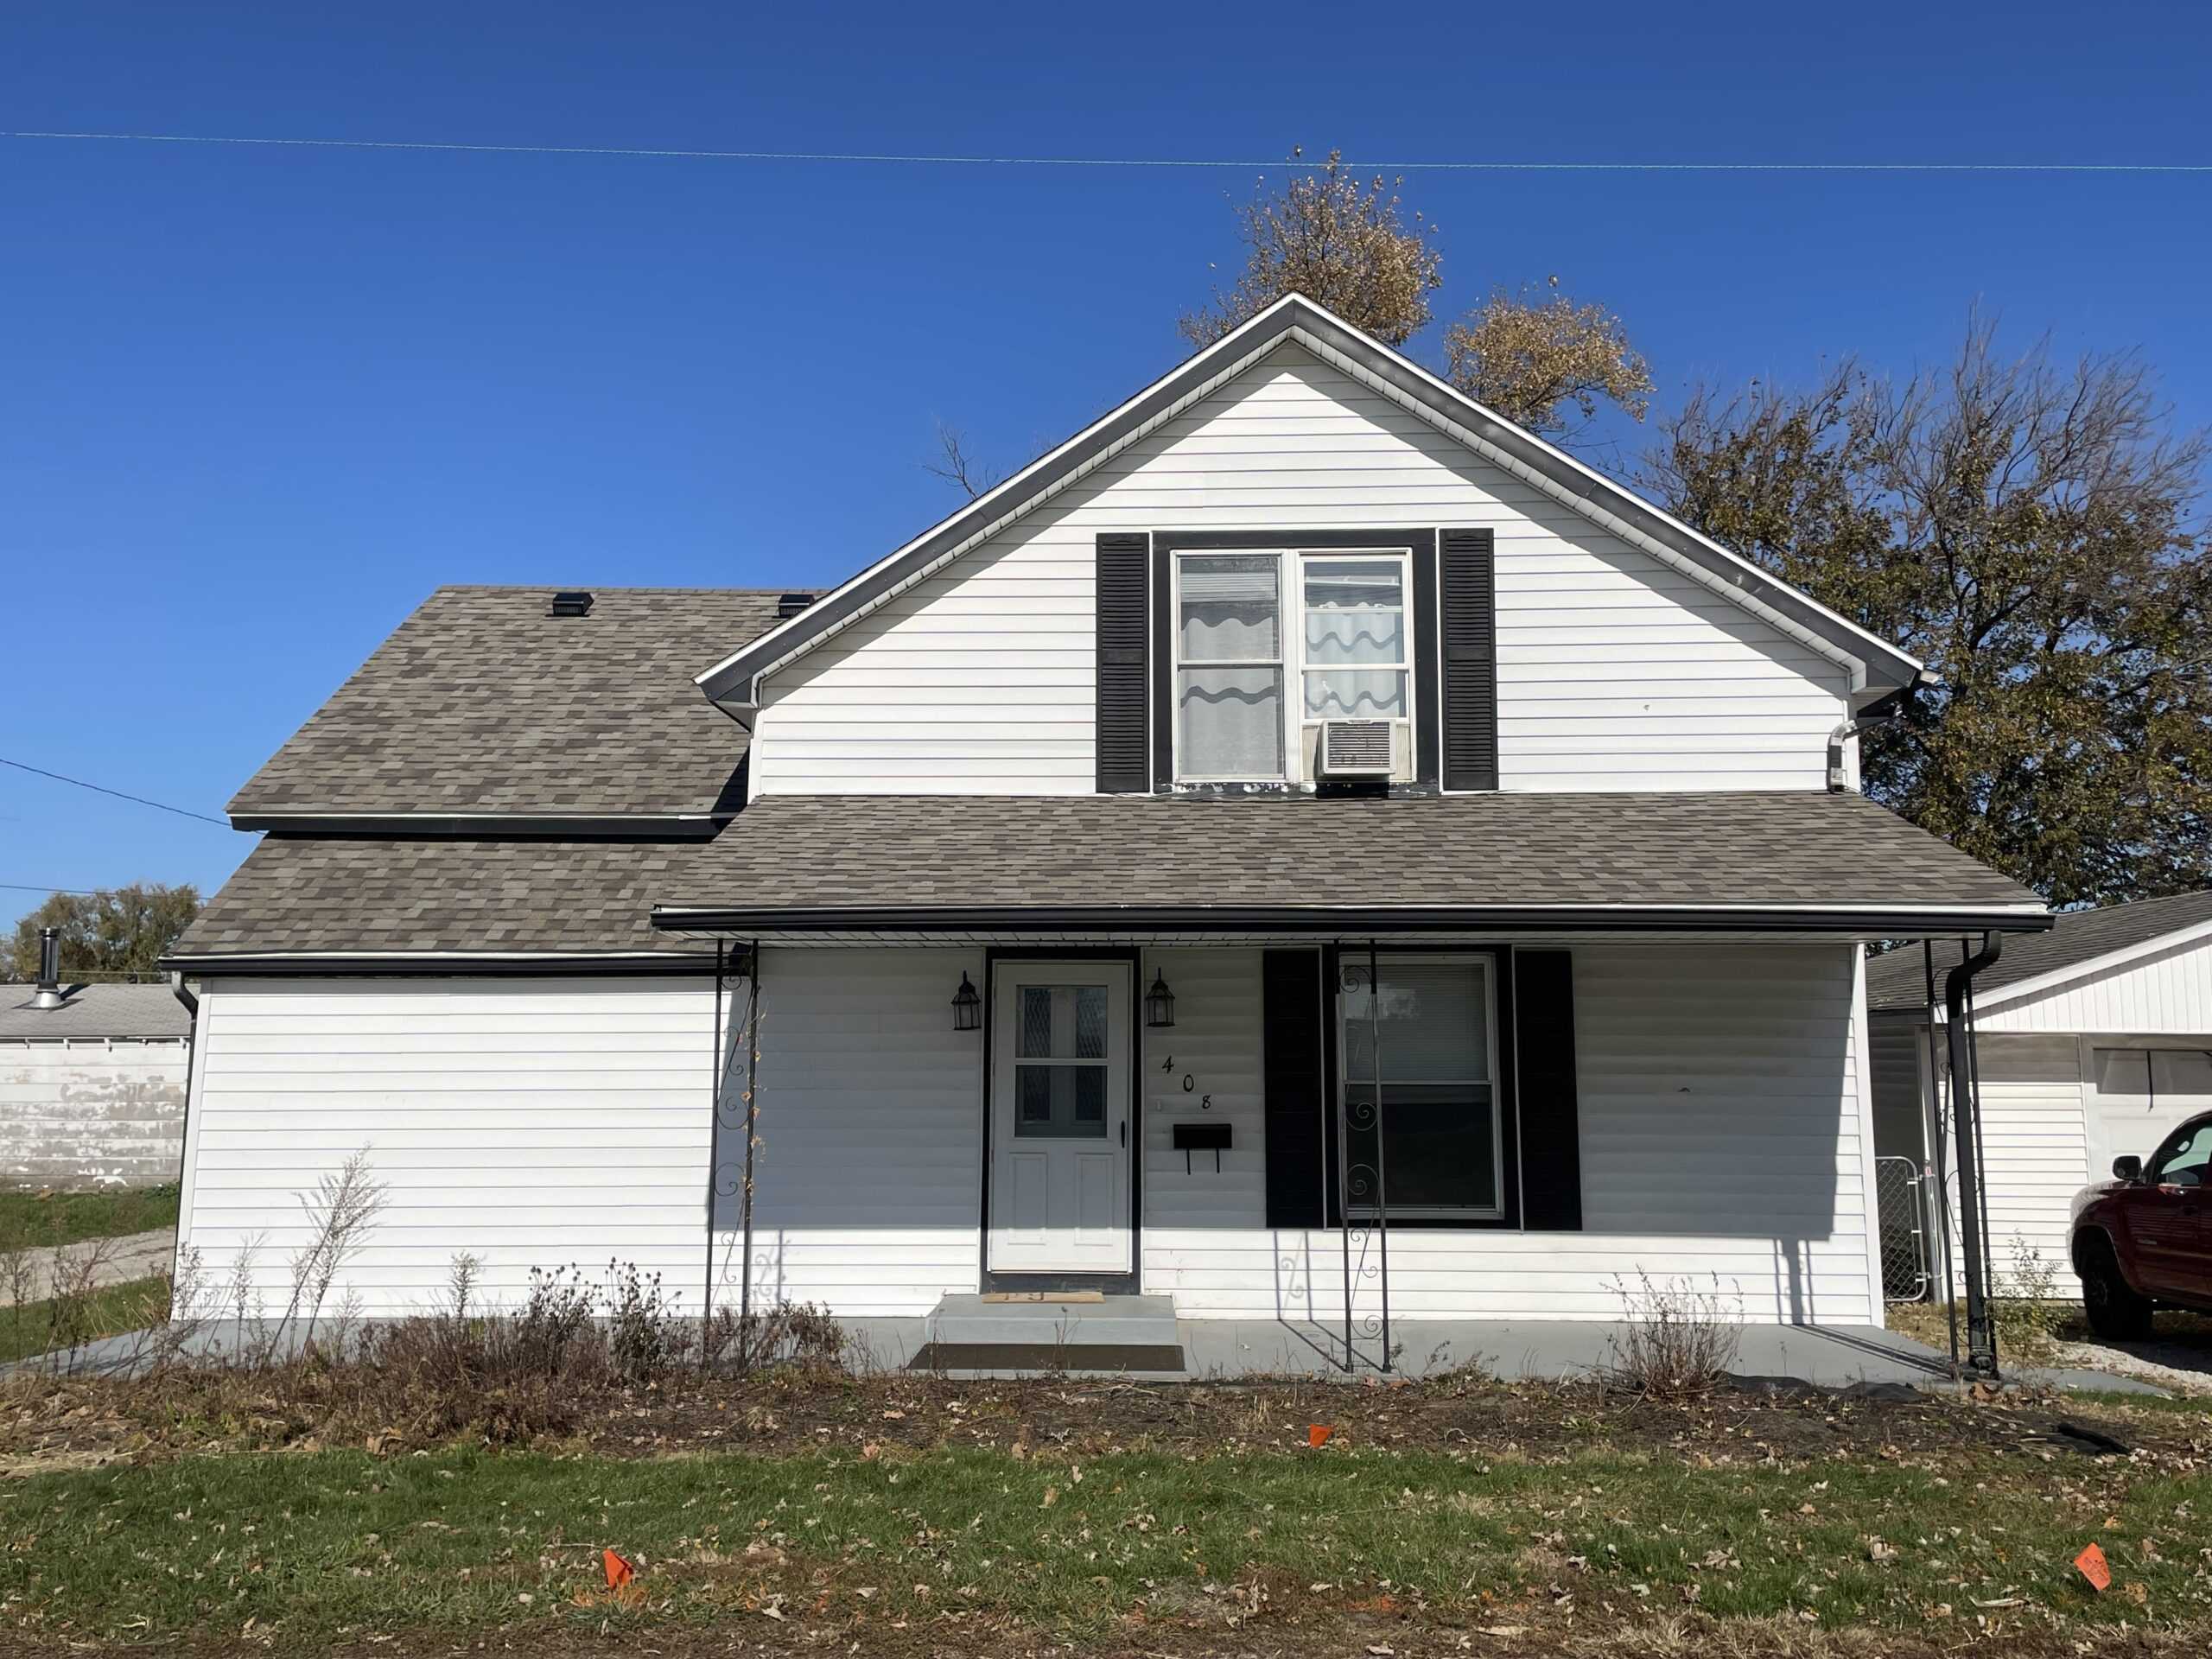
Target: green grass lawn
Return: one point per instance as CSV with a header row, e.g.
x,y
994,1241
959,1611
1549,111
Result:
x,y
32,1328
340,1543
28,1219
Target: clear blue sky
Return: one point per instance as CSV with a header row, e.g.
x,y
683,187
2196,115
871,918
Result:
x,y
256,403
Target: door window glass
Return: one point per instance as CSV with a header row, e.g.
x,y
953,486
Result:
x,y
1060,1068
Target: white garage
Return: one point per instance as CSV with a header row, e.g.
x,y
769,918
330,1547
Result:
x,y
2093,1042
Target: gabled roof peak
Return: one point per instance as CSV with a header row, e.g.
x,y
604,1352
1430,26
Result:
x,y
1613,507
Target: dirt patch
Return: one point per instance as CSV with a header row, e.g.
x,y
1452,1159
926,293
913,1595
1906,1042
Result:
x,y
45,1423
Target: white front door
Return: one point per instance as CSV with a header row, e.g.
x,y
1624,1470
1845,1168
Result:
x,y
1060,1130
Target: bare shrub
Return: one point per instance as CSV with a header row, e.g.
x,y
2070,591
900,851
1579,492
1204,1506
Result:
x,y
341,1210
644,1333
801,1333
1680,1340
2028,1306
552,1322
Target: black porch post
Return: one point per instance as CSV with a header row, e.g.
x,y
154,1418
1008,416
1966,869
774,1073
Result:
x,y
752,1120
713,1147
1966,1128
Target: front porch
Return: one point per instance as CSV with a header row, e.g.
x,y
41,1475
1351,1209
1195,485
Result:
x,y
1711,1127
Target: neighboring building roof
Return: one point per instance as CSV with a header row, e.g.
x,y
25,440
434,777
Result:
x,y
822,862
483,702
2078,942
91,1012
1613,507
363,896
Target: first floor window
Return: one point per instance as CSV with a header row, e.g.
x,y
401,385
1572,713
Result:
x,y
1418,1055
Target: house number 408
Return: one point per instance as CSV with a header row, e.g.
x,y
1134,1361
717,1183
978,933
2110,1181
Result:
x,y
1190,1084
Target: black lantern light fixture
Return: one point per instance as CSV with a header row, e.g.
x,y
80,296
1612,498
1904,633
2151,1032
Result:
x,y
967,1007
1158,1003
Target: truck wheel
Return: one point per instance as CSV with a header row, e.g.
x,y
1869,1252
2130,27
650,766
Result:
x,y
2115,1312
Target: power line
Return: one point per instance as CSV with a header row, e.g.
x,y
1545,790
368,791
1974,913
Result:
x,y
880,158
28,886
102,789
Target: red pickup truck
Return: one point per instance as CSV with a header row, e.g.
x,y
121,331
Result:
x,y
2143,1240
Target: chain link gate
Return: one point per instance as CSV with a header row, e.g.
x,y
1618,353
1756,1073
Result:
x,y
1901,1203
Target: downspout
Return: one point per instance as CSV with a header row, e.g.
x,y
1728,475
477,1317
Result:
x,y
1966,1128
185,994
1887,707
1933,1108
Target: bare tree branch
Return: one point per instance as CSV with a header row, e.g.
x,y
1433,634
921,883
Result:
x,y
956,466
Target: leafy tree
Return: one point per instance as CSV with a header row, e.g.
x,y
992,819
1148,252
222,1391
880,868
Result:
x,y
111,934
1343,241
1546,363
1539,359
1338,241
2030,530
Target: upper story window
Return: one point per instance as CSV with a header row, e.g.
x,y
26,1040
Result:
x,y
1251,694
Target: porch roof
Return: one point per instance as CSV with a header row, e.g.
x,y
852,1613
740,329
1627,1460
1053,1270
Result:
x,y
1733,862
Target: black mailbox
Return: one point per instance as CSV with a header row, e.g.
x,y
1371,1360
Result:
x,y
1202,1137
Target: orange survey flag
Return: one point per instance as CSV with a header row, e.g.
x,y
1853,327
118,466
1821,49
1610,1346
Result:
x,y
2091,1561
618,1571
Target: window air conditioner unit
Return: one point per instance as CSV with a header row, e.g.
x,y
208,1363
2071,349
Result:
x,y
1356,748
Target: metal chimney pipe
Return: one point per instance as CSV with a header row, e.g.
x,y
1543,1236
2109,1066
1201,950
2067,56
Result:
x,y
50,968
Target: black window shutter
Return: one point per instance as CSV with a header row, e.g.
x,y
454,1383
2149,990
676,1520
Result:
x,y
1469,608
1291,1080
1551,1153
1123,742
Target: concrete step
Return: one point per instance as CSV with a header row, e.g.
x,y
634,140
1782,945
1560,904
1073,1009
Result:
x,y
1116,1322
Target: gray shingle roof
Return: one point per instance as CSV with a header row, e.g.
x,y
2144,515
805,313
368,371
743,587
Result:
x,y
1770,848
379,895
481,702
1897,980
94,1011
786,853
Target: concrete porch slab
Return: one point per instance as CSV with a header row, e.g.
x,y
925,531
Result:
x,y
1229,1350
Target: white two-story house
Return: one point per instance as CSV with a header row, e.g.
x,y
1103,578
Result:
x,y
1301,815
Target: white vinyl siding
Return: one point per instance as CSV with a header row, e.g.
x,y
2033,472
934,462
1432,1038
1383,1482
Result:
x,y
868,1185
1715,1083
2034,1147
91,1112
529,1122
1720,1121
537,1123
2168,991
1615,671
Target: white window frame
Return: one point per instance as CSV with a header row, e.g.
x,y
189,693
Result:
x,y
1403,558
1290,658
1282,662
1488,966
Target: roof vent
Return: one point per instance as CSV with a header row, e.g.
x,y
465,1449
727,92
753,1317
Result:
x,y
1356,748
50,968
791,605
571,601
